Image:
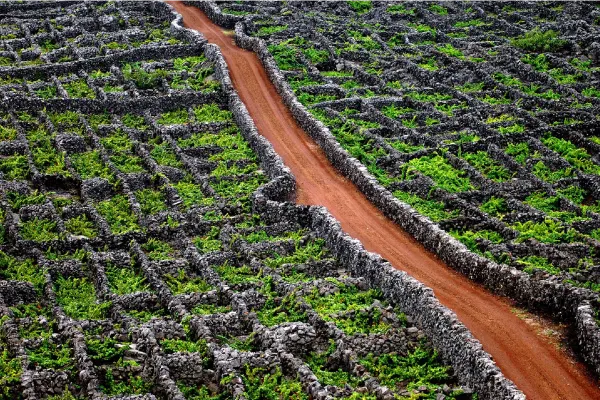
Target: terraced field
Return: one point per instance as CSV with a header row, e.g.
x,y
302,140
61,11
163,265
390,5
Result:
x,y
142,254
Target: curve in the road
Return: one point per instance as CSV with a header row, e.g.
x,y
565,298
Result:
x,y
537,367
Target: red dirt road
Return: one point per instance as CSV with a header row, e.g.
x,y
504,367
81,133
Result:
x,y
535,365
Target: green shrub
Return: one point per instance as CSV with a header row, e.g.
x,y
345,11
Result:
x,y
39,230
421,367
211,113
81,225
549,231
434,210
151,201
158,250
488,166
125,280
532,263
536,40
118,214
184,284
360,7
77,297
15,167
438,169
90,165
260,384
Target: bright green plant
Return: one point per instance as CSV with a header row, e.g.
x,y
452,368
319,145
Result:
x,y
538,41
184,284
39,230
125,280
434,210
151,201
82,226
158,250
15,167
77,297
118,214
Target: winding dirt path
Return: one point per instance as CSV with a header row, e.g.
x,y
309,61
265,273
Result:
x,y
536,366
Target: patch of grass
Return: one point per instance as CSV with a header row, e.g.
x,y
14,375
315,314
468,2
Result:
x,y
171,346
